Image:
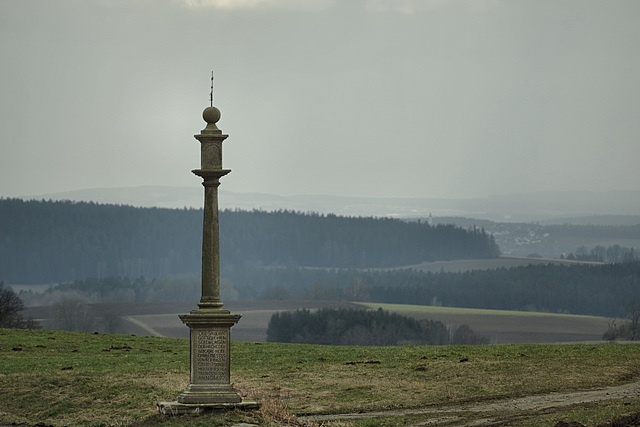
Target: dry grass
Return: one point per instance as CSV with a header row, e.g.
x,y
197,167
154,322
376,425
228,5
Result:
x,y
275,405
341,379
62,378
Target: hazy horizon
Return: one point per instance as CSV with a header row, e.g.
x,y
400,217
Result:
x,y
521,207
368,98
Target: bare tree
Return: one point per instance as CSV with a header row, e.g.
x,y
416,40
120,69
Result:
x,y
72,315
629,330
633,310
10,307
464,335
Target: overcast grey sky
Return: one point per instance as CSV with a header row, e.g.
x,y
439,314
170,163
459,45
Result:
x,y
405,98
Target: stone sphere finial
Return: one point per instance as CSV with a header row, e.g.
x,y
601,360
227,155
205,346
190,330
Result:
x,y
211,115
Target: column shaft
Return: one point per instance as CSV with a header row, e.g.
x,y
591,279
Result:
x,y
210,247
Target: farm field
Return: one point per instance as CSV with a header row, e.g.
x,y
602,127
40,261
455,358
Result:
x,y
458,266
500,327
511,327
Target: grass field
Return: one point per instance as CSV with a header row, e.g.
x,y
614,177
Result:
x,y
61,378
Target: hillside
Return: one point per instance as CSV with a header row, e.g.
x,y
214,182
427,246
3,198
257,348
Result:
x,y
45,242
613,236
98,379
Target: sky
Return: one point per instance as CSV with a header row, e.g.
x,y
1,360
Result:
x,y
374,98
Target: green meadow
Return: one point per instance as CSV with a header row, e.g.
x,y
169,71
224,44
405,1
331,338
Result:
x,y
62,378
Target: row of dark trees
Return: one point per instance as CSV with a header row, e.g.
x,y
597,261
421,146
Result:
x,y
45,242
120,289
600,290
362,327
600,253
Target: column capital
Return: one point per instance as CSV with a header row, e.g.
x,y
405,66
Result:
x,y
210,137
209,174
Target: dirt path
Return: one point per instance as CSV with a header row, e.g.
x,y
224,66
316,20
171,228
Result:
x,y
143,325
509,409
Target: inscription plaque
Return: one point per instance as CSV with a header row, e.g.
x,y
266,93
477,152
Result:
x,y
210,355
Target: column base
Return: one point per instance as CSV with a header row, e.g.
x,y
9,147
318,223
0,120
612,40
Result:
x,y
177,408
208,393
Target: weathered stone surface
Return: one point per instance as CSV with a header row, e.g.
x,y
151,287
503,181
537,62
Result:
x,y
210,357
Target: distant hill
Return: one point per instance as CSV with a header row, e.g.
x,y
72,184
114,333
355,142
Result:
x,y
558,207
558,237
44,242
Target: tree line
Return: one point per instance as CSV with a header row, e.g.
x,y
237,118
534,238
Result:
x,y
49,241
317,240
363,327
600,253
598,290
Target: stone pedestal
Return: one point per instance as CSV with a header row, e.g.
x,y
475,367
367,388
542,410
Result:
x,y
210,332
209,388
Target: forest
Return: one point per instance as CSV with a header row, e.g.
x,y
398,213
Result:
x,y
108,253
598,290
51,242
354,327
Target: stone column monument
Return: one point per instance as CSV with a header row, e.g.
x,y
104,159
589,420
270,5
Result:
x,y
209,385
